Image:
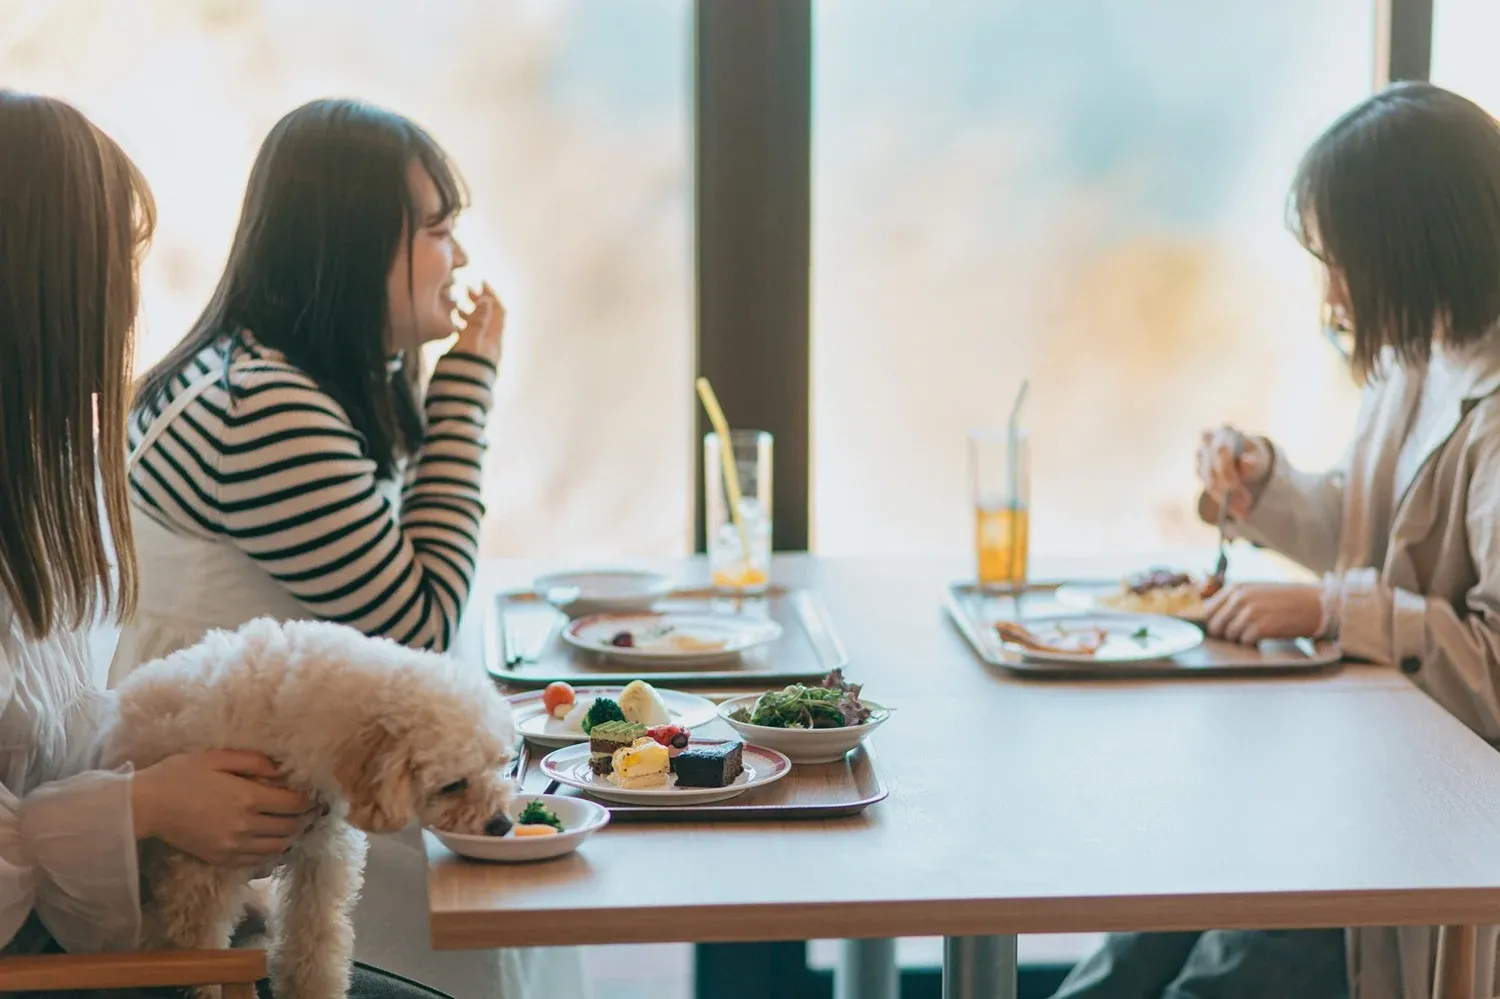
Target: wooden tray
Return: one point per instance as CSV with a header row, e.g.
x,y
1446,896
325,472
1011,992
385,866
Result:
x,y
974,609
523,646
810,791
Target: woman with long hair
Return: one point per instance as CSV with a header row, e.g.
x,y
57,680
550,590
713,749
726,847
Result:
x,y
268,447
286,462
75,217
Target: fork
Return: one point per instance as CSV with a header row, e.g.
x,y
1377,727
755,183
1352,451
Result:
x,y
517,771
1221,567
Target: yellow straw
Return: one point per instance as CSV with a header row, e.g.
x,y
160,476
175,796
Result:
x,y
726,461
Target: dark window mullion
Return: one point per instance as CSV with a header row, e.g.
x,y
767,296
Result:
x,y
1403,40
753,137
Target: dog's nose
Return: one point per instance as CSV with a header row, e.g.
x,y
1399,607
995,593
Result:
x,y
499,825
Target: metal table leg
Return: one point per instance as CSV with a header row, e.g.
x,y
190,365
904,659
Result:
x,y
979,967
867,970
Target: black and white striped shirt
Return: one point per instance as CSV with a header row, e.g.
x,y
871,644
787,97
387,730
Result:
x,y
280,472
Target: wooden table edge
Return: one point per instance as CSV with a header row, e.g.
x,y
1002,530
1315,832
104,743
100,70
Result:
x,y
974,917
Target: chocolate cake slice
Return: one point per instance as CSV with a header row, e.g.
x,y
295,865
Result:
x,y
607,737
709,764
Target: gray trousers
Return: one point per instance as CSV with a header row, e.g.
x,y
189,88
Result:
x,y
372,983
1217,964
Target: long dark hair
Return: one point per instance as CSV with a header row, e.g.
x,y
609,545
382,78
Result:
x,y
1401,197
307,275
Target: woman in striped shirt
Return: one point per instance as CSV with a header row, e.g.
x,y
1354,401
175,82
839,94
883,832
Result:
x,y
291,406
285,463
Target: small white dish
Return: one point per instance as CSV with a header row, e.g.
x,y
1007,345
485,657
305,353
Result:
x,y
803,745
1129,638
707,638
570,766
533,722
580,819
602,591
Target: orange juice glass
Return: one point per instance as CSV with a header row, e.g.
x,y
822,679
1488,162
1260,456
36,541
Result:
x,y
1000,485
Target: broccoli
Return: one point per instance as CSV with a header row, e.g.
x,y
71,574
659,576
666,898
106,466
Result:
x,y
602,710
536,814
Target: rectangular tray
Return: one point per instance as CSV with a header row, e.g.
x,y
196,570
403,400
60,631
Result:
x,y
810,791
523,646
973,609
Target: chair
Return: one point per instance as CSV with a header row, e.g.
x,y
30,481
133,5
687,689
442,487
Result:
x,y
236,970
1455,963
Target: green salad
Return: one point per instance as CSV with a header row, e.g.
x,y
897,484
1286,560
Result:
x,y
834,703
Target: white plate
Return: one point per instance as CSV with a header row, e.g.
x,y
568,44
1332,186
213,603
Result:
x,y
602,591
533,722
570,766
1087,597
803,745
1130,637
580,818
737,633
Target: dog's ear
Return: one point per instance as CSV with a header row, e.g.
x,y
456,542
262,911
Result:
x,y
374,771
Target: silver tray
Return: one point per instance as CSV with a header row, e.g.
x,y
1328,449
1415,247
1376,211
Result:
x,y
523,646
974,609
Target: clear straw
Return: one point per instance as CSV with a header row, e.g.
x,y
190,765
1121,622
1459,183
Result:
x,y
1013,476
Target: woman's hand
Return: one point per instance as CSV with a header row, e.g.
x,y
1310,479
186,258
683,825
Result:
x,y
218,806
482,328
1223,476
1249,613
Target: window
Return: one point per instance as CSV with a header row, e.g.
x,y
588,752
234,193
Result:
x,y
570,121
1462,55
1090,194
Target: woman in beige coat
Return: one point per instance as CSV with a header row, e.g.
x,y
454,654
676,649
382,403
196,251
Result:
x,y
1400,201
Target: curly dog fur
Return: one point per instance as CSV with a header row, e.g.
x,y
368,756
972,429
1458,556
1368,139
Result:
x,y
379,733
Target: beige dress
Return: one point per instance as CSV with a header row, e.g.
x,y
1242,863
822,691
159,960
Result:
x,y
1419,576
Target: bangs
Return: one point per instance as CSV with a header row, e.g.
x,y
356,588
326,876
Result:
x,y
1308,202
453,194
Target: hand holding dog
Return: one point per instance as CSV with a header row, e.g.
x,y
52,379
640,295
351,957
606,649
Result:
x,y
217,806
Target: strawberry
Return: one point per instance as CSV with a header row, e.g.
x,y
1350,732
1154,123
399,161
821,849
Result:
x,y
665,734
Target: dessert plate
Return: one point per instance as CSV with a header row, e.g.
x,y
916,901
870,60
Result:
x,y
570,766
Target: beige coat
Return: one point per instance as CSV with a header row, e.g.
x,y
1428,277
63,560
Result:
x,y
1422,591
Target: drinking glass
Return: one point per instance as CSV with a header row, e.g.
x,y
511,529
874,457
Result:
x,y
739,554
1000,480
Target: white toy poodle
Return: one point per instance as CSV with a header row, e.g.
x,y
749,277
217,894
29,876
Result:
x,y
380,734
